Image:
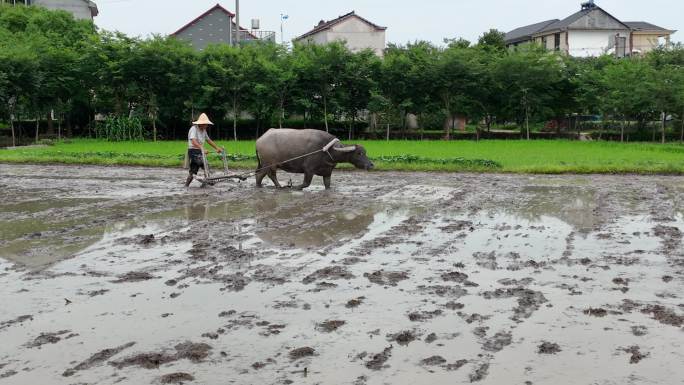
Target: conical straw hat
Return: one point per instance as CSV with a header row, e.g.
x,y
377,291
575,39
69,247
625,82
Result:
x,y
203,119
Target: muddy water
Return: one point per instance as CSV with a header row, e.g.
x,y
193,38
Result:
x,y
108,276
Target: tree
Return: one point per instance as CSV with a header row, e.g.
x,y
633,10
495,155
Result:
x,y
395,86
318,69
494,39
18,81
356,84
628,89
529,79
456,83
264,76
457,43
154,68
226,79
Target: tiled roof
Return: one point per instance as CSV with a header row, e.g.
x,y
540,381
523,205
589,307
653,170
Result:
x,y
526,32
324,25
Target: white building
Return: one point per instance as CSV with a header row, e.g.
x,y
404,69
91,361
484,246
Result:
x,y
592,32
357,32
81,9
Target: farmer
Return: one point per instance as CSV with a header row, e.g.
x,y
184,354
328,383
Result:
x,y
196,138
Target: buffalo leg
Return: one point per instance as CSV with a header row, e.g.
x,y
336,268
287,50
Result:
x,y
260,177
307,182
326,182
274,178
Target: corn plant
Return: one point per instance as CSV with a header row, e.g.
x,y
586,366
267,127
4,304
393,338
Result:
x,y
119,128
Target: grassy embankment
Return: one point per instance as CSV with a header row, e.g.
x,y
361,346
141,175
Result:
x,y
556,156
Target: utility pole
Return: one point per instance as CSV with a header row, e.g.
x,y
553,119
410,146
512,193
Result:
x,y
237,22
282,22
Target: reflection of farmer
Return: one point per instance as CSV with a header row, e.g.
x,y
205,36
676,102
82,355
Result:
x,y
196,138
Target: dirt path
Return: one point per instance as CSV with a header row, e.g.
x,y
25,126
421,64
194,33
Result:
x,y
122,276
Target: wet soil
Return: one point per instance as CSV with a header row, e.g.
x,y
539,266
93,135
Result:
x,y
123,276
176,378
548,348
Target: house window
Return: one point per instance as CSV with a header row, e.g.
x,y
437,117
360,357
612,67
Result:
x,y
556,42
544,42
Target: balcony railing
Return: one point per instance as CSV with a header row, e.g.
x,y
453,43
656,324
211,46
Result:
x,y
269,36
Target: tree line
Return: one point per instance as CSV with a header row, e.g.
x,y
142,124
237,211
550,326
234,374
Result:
x,y
62,71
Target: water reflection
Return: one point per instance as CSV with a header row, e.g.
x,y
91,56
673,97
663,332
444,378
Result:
x,y
573,205
287,219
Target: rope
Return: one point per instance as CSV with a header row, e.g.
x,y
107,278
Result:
x,y
252,173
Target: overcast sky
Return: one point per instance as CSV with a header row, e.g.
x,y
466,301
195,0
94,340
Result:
x,y
431,20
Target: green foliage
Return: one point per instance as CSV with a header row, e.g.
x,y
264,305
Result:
x,y
119,129
53,65
460,162
550,157
493,39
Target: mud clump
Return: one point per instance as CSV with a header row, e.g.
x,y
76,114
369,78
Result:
x,y
233,254
455,276
664,315
18,320
596,312
356,302
95,293
499,341
134,276
387,278
299,353
443,291
548,348
145,360
194,352
378,360
8,373
269,274
639,331
451,305
456,365
97,359
141,239
433,361
480,373
636,354
528,300
403,338
486,260
424,315
330,326
47,338
432,337
458,225
330,272
176,378
671,236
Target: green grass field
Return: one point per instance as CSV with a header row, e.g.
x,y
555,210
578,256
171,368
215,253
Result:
x,y
550,157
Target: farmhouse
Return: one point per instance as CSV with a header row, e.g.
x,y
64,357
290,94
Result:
x,y
357,32
592,32
217,26
81,9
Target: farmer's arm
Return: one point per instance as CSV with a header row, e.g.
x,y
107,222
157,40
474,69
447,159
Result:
x,y
196,144
212,144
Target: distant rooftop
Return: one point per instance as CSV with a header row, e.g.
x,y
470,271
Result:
x,y
324,25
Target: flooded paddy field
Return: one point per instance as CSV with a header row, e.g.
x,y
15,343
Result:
x,y
123,276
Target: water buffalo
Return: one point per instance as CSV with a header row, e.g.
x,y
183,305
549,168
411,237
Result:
x,y
277,146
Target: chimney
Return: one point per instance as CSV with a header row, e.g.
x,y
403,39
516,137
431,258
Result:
x,y
588,5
